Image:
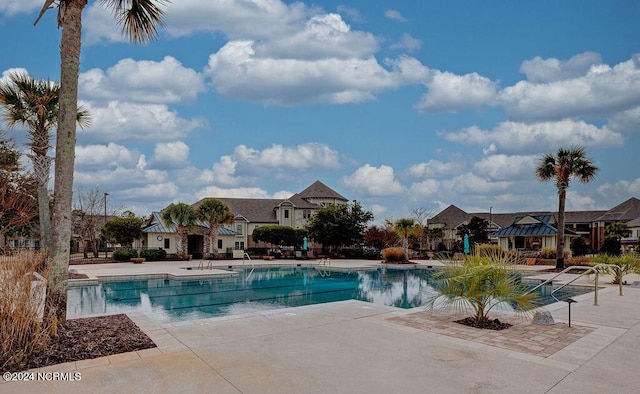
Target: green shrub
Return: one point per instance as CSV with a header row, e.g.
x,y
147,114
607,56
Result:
x,y
153,254
611,246
124,254
579,247
617,266
395,254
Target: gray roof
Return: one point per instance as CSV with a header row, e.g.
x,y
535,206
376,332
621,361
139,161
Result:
x,y
453,216
544,228
155,224
622,212
320,190
255,210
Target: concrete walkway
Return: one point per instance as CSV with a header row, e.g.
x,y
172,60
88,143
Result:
x,y
357,347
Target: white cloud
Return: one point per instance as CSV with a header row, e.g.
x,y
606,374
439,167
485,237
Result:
x,y
239,72
165,191
162,82
15,7
122,121
426,188
351,13
626,121
375,181
310,155
506,168
109,156
407,43
469,183
620,190
514,137
170,155
434,168
601,92
394,15
449,92
239,192
579,202
552,69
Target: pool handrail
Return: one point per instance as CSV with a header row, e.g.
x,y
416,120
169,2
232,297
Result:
x,y
587,269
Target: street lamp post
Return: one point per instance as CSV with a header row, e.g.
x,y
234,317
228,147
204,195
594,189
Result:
x,y
105,222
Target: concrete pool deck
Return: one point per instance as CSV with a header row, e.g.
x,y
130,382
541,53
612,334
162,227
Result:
x,y
357,347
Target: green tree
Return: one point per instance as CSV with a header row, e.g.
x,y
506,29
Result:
x,y
338,225
611,246
562,167
215,213
480,283
618,230
184,218
279,235
140,20
34,104
123,230
579,246
476,229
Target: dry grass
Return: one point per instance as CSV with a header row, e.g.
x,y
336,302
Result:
x,y
22,329
395,254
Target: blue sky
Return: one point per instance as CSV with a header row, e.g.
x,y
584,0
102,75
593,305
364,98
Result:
x,y
399,105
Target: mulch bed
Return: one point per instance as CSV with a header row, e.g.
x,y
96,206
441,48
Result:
x,y
488,324
87,338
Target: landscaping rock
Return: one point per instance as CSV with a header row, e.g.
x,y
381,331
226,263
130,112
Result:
x,y
543,318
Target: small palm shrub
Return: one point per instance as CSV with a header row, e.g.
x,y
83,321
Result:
x,y
23,330
124,254
395,254
153,254
480,283
617,266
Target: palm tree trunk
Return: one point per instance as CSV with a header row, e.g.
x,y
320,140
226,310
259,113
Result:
x,y
70,44
44,215
562,196
214,240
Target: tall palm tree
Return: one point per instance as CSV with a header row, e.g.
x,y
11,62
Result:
x,y
183,217
562,166
140,20
34,104
215,213
618,230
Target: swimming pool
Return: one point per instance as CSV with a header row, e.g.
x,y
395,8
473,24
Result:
x,y
256,290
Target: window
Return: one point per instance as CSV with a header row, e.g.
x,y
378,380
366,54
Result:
x,y
36,244
239,245
306,214
239,229
286,214
166,243
13,243
219,244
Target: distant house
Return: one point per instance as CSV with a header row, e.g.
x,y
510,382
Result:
x,y
249,213
590,225
531,233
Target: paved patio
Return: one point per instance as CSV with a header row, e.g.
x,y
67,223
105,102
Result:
x,y
357,347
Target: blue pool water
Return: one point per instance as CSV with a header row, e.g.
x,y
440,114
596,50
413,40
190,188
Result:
x,y
263,289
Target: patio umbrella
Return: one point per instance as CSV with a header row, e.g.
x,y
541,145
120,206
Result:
x,y
466,244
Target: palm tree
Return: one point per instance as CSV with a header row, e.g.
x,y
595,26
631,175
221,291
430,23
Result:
x,y
34,104
405,227
215,213
564,165
481,283
140,20
183,217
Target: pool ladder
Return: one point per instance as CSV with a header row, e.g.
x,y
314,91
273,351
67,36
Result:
x,y
253,267
587,270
